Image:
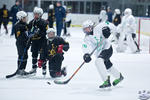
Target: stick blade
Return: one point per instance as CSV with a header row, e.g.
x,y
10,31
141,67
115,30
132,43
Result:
x,y
60,82
11,75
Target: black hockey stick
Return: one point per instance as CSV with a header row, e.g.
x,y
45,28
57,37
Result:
x,y
66,81
25,49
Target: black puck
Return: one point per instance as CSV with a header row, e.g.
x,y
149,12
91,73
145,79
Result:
x,y
49,83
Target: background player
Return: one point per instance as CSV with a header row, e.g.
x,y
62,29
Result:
x,y
128,28
51,15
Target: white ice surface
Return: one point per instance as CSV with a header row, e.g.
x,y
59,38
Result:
x,y
84,86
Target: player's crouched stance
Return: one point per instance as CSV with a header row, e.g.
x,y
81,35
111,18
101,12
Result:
x,y
98,36
54,54
22,42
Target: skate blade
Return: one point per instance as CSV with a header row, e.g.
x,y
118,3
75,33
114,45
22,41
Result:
x,y
32,75
106,89
22,76
44,76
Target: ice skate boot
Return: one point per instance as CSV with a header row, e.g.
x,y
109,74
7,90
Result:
x,y
106,83
63,71
44,72
33,71
116,81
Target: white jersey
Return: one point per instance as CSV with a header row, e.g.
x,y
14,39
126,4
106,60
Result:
x,y
97,39
128,24
68,17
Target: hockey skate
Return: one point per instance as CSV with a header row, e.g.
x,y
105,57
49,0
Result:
x,y
116,81
33,71
63,71
137,51
44,72
22,73
106,84
68,35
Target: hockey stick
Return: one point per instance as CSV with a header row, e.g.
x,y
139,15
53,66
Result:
x,y
66,81
25,49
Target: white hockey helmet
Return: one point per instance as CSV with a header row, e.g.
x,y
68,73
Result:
x,y
21,14
103,16
117,11
127,12
50,31
38,10
65,7
88,23
51,6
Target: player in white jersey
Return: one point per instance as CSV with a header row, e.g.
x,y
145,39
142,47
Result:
x,y
67,24
128,28
103,18
98,36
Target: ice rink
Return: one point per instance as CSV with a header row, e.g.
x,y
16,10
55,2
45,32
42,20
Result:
x,y
84,86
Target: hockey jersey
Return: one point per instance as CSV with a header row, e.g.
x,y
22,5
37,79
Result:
x,y
128,24
97,39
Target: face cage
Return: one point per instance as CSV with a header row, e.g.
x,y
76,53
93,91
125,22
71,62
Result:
x,y
88,33
49,33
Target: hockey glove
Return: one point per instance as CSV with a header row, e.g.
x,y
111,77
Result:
x,y
106,31
118,35
66,47
87,58
37,31
40,63
30,35
60,49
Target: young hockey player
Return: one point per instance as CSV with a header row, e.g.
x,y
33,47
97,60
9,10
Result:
x,y
128,28
54,54
67,22
103,18
117,17
51,15
22,42
5,17
116,22
38,27
98,36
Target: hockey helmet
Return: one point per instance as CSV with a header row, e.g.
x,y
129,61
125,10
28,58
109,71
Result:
x,y
103,16
21,14
88,26
127,12
51,6
38,10
117,11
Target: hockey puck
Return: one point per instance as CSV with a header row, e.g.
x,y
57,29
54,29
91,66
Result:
x,y
48,83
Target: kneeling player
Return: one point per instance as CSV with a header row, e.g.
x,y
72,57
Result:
x,y
54,54
98,37
21,42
